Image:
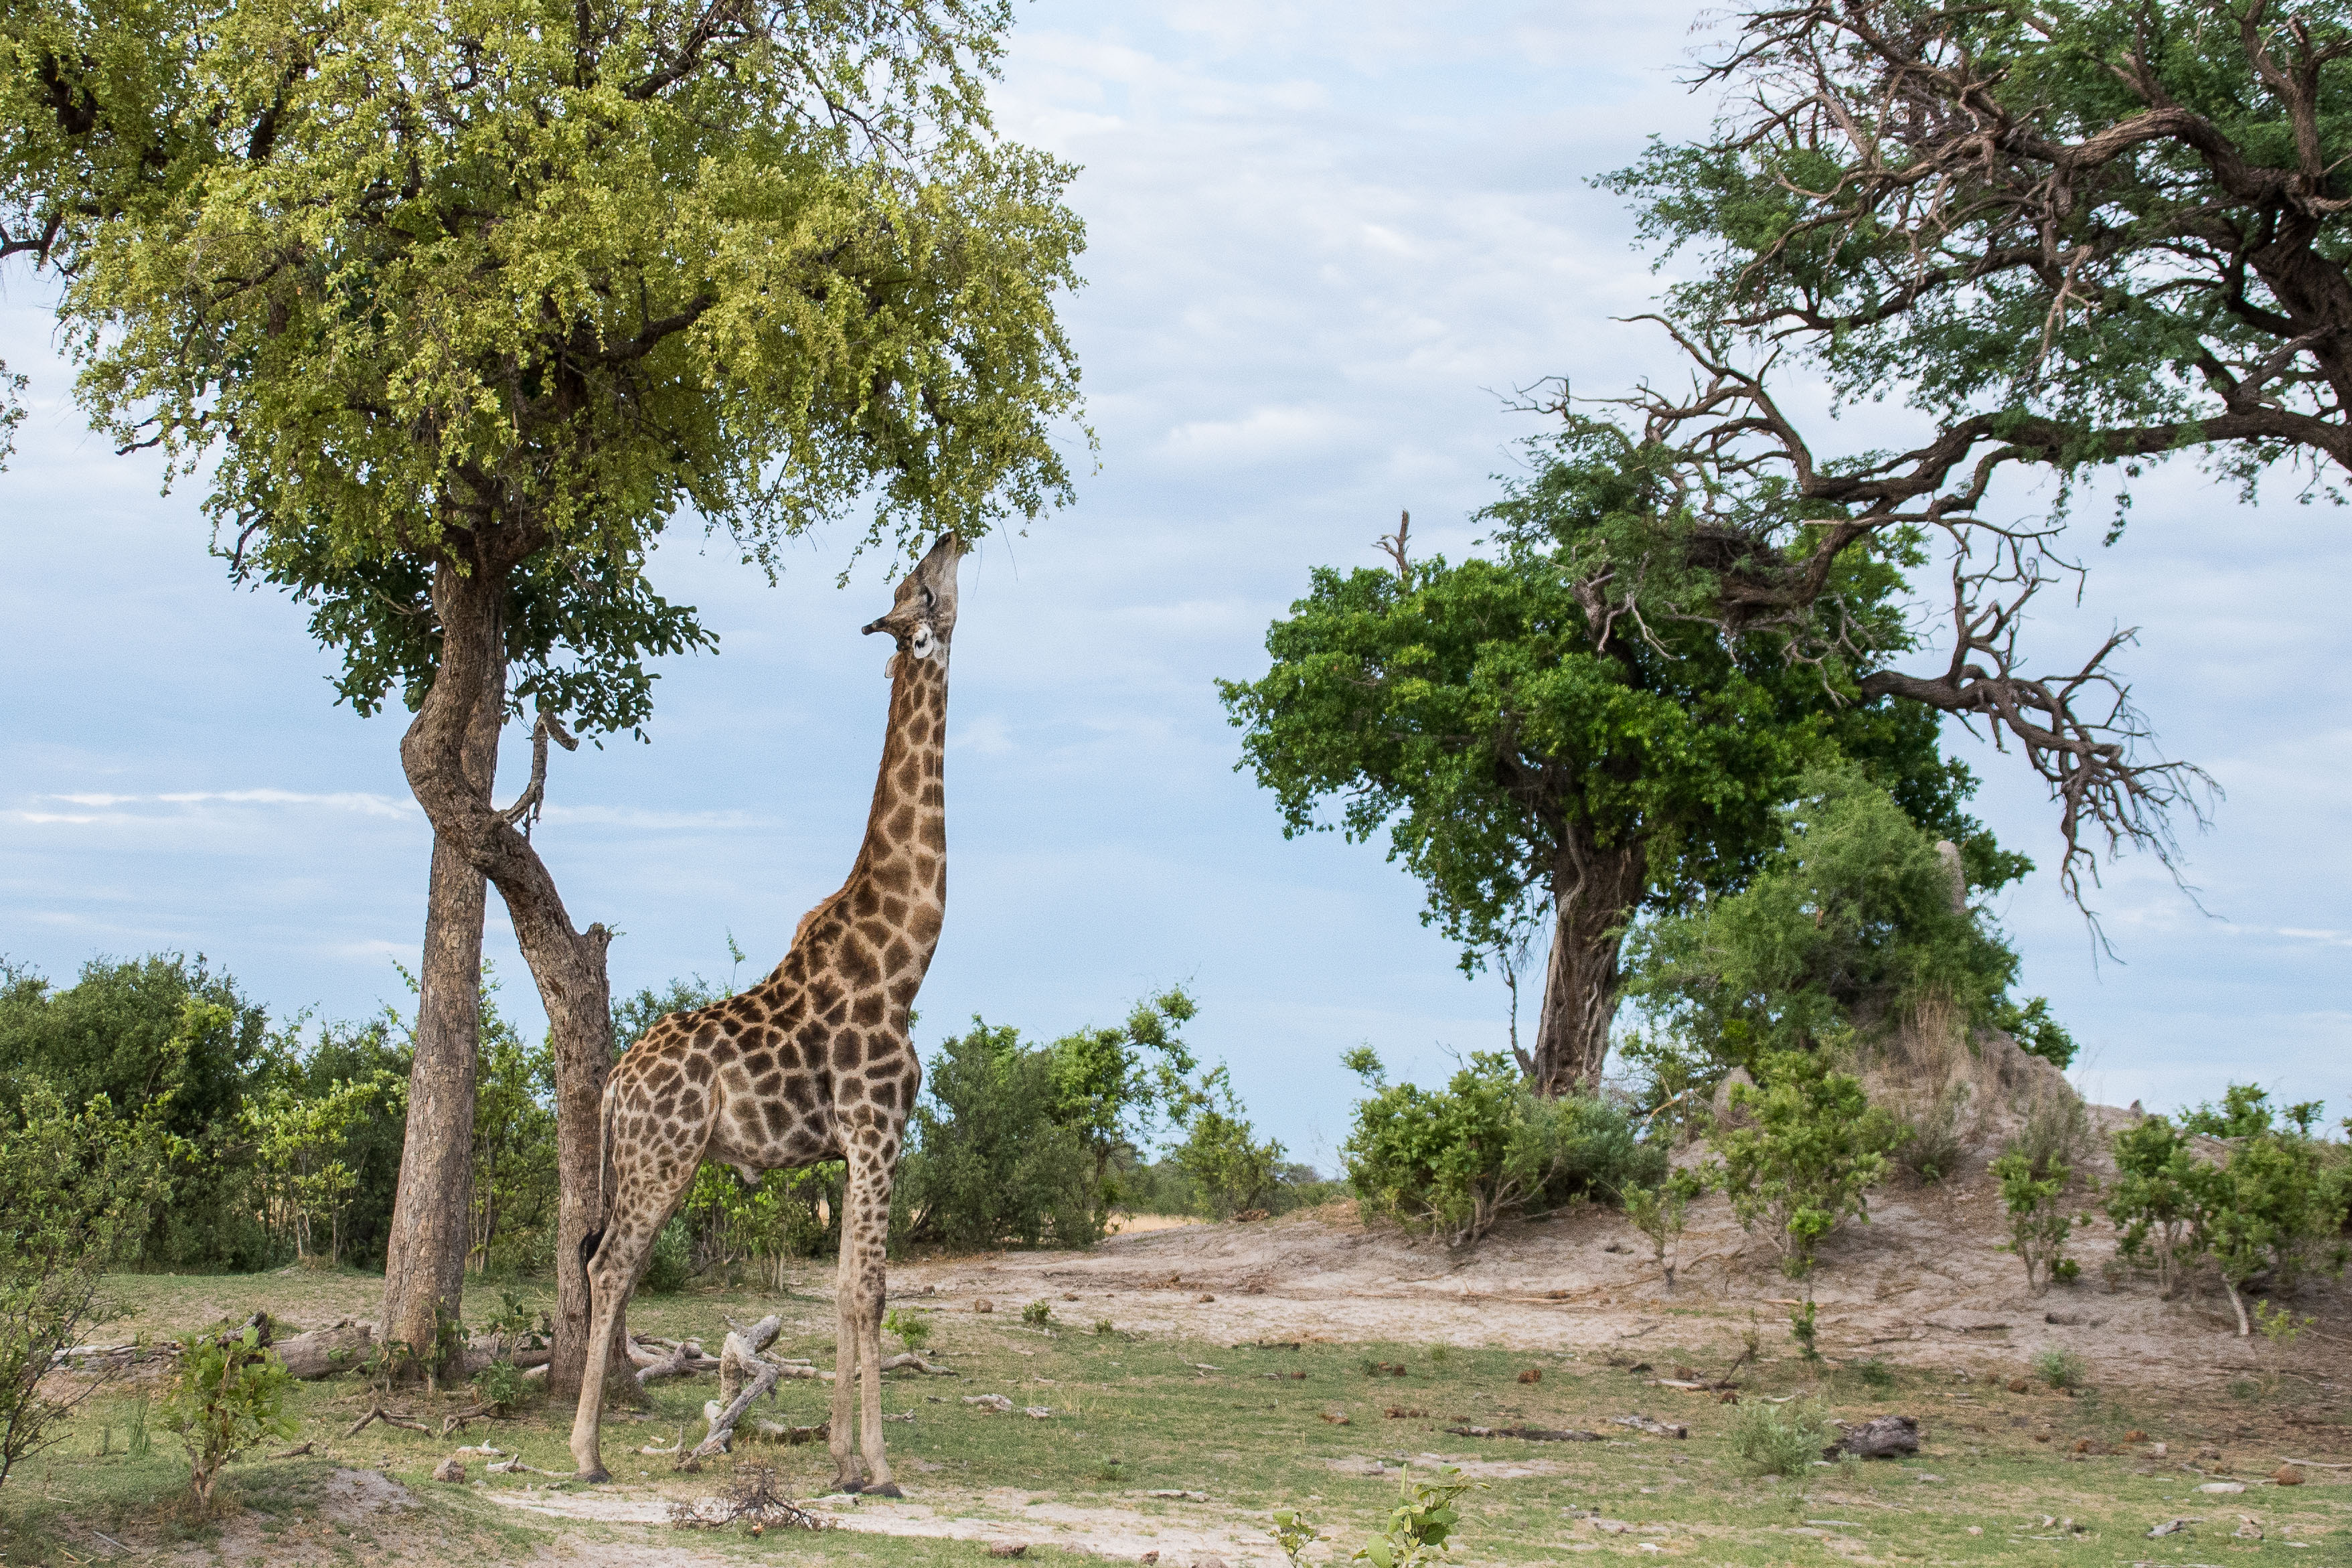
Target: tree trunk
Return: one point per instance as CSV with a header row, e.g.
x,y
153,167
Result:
x,y
424,1259
1595,890
567,965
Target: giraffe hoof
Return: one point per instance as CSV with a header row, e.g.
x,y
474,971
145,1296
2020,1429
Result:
x,y
887,1488
596,1476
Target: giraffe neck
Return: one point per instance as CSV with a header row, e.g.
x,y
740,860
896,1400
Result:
x,y
900,874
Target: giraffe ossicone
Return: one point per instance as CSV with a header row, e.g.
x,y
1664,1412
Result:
x,y
814,1063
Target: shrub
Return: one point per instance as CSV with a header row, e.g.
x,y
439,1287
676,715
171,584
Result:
x,y
228,1395
1038,1314
501,1385
2150,1202
1814,1149
2059,1368
1661,1213
1229,1169
2038,1223
671,1267
76,1190
914,1330
1779,1439
986,1163
1451,1163
1422,1523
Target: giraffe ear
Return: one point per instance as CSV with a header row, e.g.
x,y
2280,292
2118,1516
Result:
x,y
923,641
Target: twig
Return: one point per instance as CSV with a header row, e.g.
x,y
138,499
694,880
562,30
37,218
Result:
x,y
389,1418
2319,1463
296,1452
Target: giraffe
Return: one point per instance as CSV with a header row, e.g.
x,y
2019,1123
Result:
x,y
812,1064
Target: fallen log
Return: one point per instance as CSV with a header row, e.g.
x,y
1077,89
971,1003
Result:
x,y
1641,1423
1883,1437
722,1423
323,1353
1529,1434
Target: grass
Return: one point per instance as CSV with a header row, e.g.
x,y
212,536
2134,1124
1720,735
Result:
x,y
1135,1413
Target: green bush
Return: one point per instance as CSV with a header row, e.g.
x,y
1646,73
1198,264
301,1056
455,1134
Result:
x,y
228,1395
1780,1440
914,1330
2039,1226
2059,1368
671,1267
1038,1314
75,1191
1230,1171
986,1164
1661,1213
1452,1162
1805,1160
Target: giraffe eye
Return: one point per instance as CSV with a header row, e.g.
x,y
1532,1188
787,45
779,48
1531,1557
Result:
x,y
930,600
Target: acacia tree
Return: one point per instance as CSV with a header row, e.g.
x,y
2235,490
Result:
x,y
480,295
2070,235
1561,738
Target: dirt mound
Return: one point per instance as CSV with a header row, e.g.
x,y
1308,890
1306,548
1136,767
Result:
x,y
1922,1283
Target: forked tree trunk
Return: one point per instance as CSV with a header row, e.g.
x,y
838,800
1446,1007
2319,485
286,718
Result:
x,y
424,1259
567,965
1595,891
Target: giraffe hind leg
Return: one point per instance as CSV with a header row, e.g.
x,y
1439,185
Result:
x,y
639,1209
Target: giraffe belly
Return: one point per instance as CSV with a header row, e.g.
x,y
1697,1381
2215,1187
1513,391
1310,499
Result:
x,y
758,1136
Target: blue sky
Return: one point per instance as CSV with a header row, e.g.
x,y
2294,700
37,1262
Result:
x,y
1327,243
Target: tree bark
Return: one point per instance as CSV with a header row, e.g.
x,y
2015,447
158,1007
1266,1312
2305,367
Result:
x,y
1595,890
567,965
424,1259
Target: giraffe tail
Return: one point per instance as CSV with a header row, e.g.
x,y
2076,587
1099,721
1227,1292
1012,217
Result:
x,y
595,1237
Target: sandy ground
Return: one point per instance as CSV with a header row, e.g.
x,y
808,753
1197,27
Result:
x,y
1923,1284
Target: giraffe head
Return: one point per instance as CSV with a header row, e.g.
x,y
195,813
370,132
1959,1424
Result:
x,y
922,616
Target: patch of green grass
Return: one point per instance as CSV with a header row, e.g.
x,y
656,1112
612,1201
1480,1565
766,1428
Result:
x,y
1134,1413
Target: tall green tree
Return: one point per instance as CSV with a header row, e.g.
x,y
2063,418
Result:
x,y
483,294
1561,737
2070,236
1112,1086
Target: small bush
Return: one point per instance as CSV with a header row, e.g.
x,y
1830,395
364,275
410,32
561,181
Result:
x,y
1876,1375
228,1395
671,1267
1779,1439
1231,1171
2059,1368
1813,1149
501,1385
1937,1143
1423,1520
914,1330
1453,1162
1103,1327
1038,1314
2039,1226
1661,1212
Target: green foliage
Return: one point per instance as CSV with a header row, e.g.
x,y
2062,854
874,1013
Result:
x,y
1038,1314
914,1330
501,1384
670,1266
1452,1162
1876,1375
1850,919
2036,1033
986,1163
1661,1213
1805,1148
2039,1225
1294,1532
515,1177
1780,1440
159,1031
1502,720
2269,1208
1113,1087
298,1141
1422,1525
2059,1368
77,1189
227,1395
1229,1169
560,270
1804,1327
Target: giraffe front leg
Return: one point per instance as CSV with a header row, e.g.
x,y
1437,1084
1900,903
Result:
x,y
848,1476
610,1275
872,1216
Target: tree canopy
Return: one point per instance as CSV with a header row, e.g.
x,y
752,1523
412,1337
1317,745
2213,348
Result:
x,y
1561,737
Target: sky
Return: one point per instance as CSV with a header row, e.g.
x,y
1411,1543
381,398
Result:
x,y
1328,244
